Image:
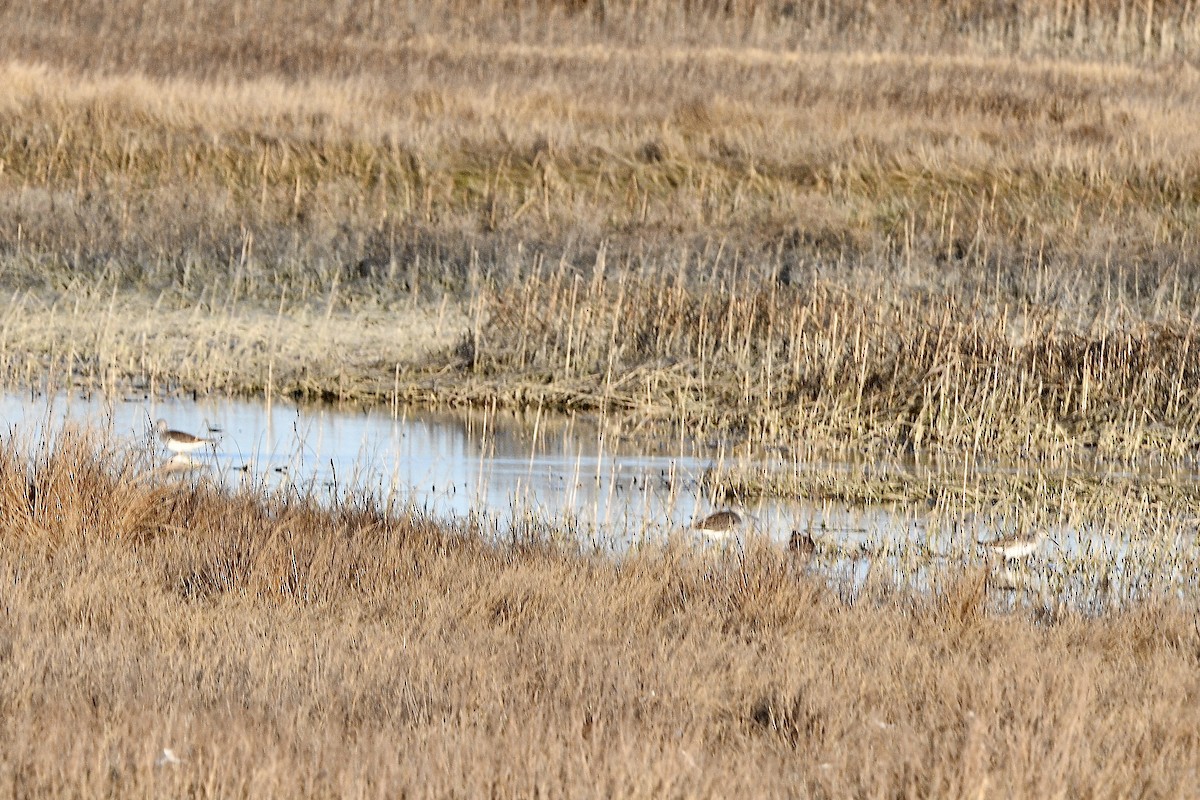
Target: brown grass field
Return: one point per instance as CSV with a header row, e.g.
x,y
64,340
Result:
x,y
965,226
283,650
957,230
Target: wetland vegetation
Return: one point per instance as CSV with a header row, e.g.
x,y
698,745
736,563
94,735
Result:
x,y
952,234
852,224
282,649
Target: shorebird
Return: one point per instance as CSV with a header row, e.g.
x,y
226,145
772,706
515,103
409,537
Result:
x,y
719,525
1016,546
802,544
726,527
178,441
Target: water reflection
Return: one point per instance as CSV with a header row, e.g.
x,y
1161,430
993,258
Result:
x,y
614,490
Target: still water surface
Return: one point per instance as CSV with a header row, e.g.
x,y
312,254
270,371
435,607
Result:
x,y
615,491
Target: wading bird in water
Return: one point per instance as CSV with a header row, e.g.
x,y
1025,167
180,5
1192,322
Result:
x,y
179,441
726,526
1017,546
719,525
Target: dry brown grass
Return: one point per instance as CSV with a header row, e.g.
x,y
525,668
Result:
x,y
103,341
872,225
236,38
285,650
805,366
967,225
952,172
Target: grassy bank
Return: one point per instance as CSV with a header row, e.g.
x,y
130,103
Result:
x,y
280,649
861,225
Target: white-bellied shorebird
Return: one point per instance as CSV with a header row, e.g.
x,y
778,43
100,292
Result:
x,y
178,441
718,525
1016,546
726,527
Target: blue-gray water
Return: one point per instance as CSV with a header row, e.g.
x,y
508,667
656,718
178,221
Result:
x,y
613,490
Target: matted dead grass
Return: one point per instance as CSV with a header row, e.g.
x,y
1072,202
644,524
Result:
x,y
286,650
118,342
